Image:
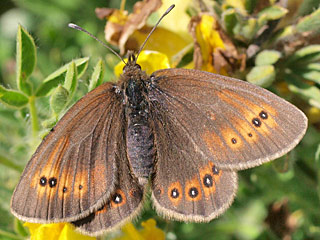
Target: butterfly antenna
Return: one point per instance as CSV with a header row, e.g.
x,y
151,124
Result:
x,y
154,28
74,26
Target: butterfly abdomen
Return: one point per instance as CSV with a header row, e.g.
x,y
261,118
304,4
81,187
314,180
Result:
x,y
140,149
140,139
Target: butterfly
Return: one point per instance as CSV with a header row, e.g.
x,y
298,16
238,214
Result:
x,y
183,133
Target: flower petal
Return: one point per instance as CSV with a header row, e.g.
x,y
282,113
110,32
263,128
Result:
x,y
149,61
54,231
150,230
213,50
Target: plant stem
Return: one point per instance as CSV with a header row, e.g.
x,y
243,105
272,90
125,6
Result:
x,y
6,162
123,4
10,235
34,117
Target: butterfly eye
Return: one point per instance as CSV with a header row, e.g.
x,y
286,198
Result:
x,y
159,191
234,141
124,69
153,79
52,182
193,192
215,170
256,122
117,198
116,89
65,189
208,181
192,189
138,66
43,181
175,193
263,115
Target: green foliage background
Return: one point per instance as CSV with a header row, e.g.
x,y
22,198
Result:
x,y
294,179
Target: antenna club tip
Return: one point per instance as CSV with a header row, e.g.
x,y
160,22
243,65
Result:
x,y
72,25
169,9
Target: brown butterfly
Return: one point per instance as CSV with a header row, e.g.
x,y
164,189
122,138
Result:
x,y
187,131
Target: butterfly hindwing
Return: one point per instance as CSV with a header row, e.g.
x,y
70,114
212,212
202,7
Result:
x,y
186,186
236,124
73,171
124,203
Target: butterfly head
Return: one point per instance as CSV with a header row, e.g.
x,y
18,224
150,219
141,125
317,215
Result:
x,y
132,71
131,65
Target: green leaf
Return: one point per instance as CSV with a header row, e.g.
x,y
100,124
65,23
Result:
x,y
13,98
9,235
311,75
310,22
19,228
310,72
267,57
245,29
183,57
71,82
26,60
59,99
306,91
97,75
262,75
305,55
216,8
49,123
283,34
317,154
10,164
250,5
273,13
58,77
306,7
313,66
230,19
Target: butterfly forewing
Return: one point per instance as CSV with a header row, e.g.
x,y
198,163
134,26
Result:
x,y
73,171
124,203
235,124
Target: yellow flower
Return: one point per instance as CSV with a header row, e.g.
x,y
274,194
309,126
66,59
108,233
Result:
x,y
149,232
313,114
177,21
149,61
129,31
172,35
213,50
210,43
238,4
118,16
55,231
209,39
162,40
